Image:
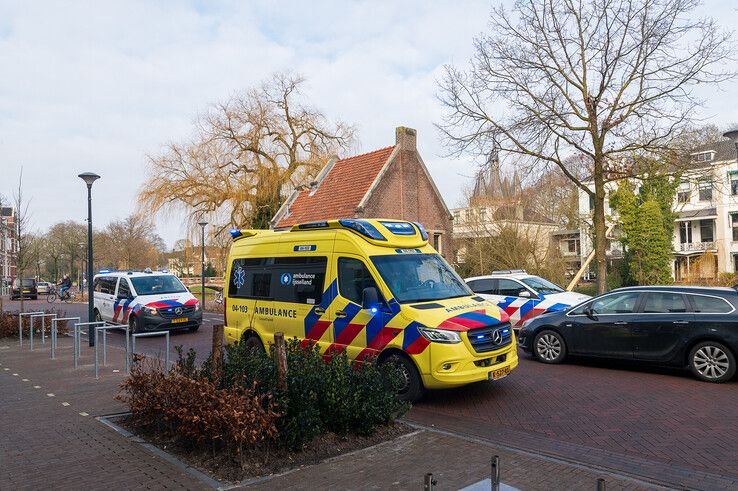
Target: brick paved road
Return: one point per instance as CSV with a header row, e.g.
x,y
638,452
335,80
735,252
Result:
x,y
652,423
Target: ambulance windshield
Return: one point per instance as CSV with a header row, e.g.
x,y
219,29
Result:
x,y
157,285
420,277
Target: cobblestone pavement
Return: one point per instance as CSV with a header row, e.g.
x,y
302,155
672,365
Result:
x,y
554,428
656,424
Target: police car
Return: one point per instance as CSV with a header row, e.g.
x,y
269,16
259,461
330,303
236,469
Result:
x,y
523,296
145,300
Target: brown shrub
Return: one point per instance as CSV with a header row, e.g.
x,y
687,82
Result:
x,y
175,405
9,324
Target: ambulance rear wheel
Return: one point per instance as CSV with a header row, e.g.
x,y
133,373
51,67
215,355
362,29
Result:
x,y
252,342
411,388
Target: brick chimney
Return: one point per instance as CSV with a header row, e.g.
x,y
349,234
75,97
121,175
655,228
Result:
x,y
405,138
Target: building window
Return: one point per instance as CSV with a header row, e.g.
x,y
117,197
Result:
x,y
706,230
483,215
735,263
734,226
437,242
591,203
457,215
702,157
685,232
683,192
734,184
705,190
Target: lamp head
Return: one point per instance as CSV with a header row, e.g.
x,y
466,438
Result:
x,y
89,178
202,223
732,134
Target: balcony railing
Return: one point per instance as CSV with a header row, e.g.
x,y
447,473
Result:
x,y
696,246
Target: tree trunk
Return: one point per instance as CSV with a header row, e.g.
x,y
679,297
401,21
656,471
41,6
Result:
x,y
600,241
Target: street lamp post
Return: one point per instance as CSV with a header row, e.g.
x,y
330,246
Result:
x,y
733,135
89,178
81,271
202,265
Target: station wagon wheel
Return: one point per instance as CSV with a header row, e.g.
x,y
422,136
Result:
x,y
549,347
712,362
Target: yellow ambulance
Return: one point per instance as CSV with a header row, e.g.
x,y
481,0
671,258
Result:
x,y
373,288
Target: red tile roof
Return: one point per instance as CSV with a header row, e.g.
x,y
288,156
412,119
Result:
x,y
340,192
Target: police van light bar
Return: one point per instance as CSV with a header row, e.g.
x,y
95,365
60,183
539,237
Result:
x,y
363,227
421,229
103,271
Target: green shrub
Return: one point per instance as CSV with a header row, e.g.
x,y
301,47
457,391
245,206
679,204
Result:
x,y
322,395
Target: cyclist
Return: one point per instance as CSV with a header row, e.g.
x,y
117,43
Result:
x,y
64,285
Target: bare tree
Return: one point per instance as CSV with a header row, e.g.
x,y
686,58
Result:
x,y
26,252
131,243
247,150
607,80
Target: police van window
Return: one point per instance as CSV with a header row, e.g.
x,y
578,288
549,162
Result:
x,y
353,277
298,279
509,288
105,285
124,291
486,286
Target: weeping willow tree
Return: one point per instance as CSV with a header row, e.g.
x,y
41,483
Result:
x,y
245,154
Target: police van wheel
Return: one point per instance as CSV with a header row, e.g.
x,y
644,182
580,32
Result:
x,y
252,342
412,387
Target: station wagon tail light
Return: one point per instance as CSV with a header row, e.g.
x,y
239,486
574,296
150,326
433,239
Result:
x,y
440,335
363,227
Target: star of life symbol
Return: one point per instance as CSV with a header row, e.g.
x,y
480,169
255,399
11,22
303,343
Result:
x,y
239,277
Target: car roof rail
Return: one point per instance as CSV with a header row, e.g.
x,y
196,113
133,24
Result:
x,y
509,271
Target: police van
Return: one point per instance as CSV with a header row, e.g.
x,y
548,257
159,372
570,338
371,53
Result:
x,y
372,288
145,300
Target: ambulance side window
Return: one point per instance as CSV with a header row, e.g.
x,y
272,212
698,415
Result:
x,y
249,278
353,277
299,279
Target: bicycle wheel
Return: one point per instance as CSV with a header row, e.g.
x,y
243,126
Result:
x,y
51,297
70,297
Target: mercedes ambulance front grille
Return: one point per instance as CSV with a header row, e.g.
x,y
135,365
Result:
x,y
490,338
171,312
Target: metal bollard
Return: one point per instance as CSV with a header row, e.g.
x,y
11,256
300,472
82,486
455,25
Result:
x,y
600,484
429,483
148,335
496,473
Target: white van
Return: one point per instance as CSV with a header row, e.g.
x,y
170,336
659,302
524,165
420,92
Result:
x,y
147,301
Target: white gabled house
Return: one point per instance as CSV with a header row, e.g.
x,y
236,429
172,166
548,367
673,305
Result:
x,y
705,239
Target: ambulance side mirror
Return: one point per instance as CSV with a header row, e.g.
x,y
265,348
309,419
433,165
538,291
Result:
x,y
369,298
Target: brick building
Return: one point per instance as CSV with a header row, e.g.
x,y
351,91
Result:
x,y
391,182
8,245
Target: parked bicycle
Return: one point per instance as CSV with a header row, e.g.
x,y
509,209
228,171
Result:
x,y
69,295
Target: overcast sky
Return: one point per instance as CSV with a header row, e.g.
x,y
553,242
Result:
x,y
95,86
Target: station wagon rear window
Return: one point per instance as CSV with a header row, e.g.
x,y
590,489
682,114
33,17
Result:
x,y
711,305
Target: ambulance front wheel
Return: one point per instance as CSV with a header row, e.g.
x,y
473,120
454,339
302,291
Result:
x,y
411,388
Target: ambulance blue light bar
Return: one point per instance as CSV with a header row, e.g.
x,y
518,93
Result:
x,y
309,225
399,228
362,227
235,233
421,229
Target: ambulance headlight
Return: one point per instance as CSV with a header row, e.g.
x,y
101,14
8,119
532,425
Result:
x,y
151,310
440,335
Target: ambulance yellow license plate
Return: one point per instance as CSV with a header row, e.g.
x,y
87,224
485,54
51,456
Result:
x,y
496,374
181,319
